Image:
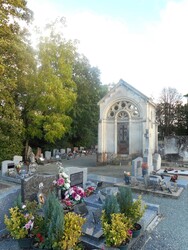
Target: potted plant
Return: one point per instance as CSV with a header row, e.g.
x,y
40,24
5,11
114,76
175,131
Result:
x,y
116,226
20,224
134,210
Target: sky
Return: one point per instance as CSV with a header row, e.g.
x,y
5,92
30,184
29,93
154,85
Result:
x,y
143,42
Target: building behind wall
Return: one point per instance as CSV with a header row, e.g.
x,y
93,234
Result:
x,y
127,124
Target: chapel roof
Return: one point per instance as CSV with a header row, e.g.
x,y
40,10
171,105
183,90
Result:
x,y
128,86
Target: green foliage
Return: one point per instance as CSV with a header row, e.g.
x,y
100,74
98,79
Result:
x,y
137,210
53,221
15,224
131,209
125,199
110,206
85,112
15,69
72,232
117,231
168,112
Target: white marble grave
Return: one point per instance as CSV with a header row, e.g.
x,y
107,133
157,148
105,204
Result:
x,y
62,150
48,155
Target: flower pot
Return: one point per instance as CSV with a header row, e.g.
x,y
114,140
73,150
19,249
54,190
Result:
x,y
137,230
25,243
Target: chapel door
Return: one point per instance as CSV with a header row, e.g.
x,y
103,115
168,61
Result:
x,y
123,138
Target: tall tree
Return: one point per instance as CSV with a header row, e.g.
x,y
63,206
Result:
x,y
14,66
85,113
167,111
52,93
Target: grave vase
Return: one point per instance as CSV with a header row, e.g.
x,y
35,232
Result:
x,y
137,230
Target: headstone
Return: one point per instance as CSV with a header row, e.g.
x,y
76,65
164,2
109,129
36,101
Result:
x,y
76,179
38,154
137,166
73,170
30,186
75,149
17,159
62,151
5,166
157,162
68,150
32,158
47,155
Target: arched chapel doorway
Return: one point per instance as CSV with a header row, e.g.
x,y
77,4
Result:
x,y
122,113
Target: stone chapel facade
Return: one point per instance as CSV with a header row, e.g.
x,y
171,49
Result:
x,y
127,124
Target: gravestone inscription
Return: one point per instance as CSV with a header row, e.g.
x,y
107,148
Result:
x,y
76,179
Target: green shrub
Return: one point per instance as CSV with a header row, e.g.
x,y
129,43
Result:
x,y
110,206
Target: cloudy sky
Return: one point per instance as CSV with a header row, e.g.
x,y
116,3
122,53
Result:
x,y
143,42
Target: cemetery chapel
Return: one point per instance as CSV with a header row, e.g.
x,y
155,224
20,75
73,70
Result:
x,y
127,124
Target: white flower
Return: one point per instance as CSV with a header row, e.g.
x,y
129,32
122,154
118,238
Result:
x,y
65,175
54,182
77,197
67,185
24,206
41,185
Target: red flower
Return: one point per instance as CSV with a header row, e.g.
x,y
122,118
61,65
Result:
x,y
40,237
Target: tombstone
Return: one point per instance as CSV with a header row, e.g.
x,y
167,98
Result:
x,y
137,167
76,179
6,166
73,170
38,154
62,151
75,149
17,159
68,150
32,158
157,162
47,155
30,186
